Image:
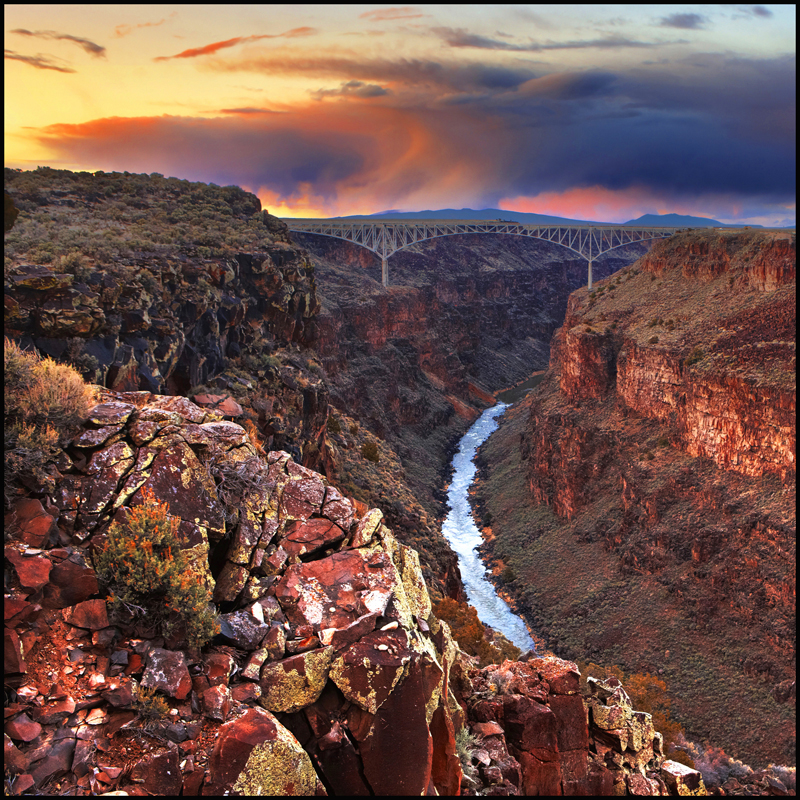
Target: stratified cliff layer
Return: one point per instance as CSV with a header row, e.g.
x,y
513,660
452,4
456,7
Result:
x,y
660,456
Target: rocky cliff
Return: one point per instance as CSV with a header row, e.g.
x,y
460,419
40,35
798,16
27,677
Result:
x,y
463,317
329,673
660,456
162,285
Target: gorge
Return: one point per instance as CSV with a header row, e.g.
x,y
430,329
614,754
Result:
x,y
252,353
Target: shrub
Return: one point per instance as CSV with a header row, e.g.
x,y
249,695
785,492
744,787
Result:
x,y
369,450
148,574
151,708
696,355
28,452
43,402
43,392
466,743
354,429
509,575
653,340
334,426
468,631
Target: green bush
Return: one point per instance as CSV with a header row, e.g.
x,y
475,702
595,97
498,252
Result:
x,y
696,355
369,450
334,426
148,574
151,708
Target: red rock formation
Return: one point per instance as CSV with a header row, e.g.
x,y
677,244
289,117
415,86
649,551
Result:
x,y
337,633
666,430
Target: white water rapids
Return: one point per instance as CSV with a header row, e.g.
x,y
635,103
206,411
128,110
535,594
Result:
x,y
463,535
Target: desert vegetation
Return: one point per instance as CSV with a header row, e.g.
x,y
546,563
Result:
x,y
44,402
148,575
141,214
471,634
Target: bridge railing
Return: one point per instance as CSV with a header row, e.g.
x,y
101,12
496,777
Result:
x,y
385,237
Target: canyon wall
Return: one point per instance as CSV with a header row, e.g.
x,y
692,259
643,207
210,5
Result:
x,y
463,317
665,434
328,674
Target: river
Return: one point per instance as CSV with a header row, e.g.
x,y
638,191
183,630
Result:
x,y
463,535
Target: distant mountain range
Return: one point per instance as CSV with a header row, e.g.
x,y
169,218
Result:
x,y
666,220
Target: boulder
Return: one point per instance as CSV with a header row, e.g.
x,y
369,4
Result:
x,y
256,755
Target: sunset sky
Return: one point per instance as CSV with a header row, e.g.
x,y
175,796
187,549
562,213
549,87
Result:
x,y
601,112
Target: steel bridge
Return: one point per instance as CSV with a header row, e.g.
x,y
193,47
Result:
x,y
386,238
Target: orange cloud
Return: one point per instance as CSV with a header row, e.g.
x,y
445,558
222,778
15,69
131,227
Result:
x,y
125,29
620,205
215,46
385,14
591,202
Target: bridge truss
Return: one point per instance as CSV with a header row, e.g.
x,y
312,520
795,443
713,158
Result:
x,y
386,238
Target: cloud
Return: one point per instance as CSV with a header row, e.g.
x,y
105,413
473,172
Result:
x,y
448,76
752,11
683,21
460,37
40,62
703,128
125,29
353,88
385,14
247,110
215,46
90,47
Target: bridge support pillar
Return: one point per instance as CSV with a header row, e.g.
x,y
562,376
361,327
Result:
x,y
385,272
590,274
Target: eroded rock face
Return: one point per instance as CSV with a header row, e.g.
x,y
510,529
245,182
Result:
x,y
536,735
327,638
665,430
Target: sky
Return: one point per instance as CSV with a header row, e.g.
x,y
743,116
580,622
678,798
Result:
x,y
601,112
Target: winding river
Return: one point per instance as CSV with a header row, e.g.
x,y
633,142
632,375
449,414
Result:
x,y
463,535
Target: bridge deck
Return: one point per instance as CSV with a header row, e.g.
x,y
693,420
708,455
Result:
x,y
385,237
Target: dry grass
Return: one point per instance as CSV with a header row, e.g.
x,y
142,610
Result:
x,y
42,392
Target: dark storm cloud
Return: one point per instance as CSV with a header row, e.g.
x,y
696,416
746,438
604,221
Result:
x,y
353,89
90,47
703,125
460,37
411,73
237,149
40,62
683,21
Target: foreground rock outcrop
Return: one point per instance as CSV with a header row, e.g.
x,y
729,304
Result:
x,y
329,674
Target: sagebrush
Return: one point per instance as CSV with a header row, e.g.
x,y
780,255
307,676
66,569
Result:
x,y
148,575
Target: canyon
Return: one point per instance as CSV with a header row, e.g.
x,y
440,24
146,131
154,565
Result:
x,y
281,359
651,478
